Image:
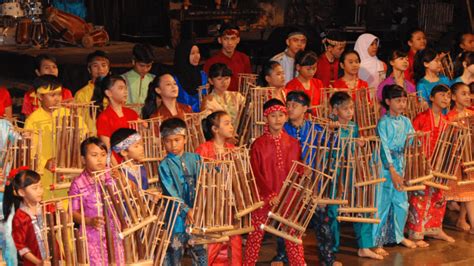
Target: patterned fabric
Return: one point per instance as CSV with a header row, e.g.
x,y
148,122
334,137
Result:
x,y
175,252
229,101
320,225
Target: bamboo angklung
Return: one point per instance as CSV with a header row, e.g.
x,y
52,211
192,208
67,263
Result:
x,y
467,164
366,113
195,135
244,116
246,81
414,106
417,167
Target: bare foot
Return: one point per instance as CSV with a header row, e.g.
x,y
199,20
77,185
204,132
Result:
x,y
367,253
381,252
408,243
443,236
422,244
337,263
463,225
453,206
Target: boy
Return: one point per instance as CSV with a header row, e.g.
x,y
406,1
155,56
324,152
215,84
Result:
x,y
128,144
328,63
466,42
179,172
297,103
271,158
44,65
139,77
237,61
41,121
295,42
343,112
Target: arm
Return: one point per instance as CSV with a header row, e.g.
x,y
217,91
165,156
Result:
x,y
256,163
166,178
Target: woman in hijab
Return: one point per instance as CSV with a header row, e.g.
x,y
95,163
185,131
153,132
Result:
x,y
371,69
189,74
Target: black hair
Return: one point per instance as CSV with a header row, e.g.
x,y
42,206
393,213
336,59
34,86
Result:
x,y
390,92
412,32
298,96
306,58
96,54
421,57
171,124
296,30
219,70
100,86
339,98
467,57
267,69
150,107
343,58
227,26
46,81
211,120
454,88
143,52
337,36
121,134
439,88
43,57
271,103
11,198
397,54
92,140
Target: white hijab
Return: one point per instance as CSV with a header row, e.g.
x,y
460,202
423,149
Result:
x,y
370,66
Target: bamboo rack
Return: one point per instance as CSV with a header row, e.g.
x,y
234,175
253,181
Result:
x,y
467,164
195,135
417,167
414,106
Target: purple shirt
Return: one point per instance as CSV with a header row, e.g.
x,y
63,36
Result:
x,y
408,86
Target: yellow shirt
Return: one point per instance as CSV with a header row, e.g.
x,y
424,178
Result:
x,y
230,101
84,95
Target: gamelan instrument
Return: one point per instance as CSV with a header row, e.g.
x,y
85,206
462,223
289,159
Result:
x,y
467,164
417,168
415,106
195,135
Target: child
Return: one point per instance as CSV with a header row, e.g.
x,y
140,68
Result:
x,y
464,68
295,42
139,77
371,69
164,88
219,97
416,42
427,207
466,42
350,64
189,74
461,101
306,62
44,65
328,63
271,158
342,107
427,69
179,172
25,193
5,104
393,129
127,143
94,158
272,75
298,127
218,129
238,62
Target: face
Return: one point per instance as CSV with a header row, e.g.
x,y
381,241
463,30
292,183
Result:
x,y
220,83
95,158
136,152
142,68
469,69
32,193
99,68
47,67
345,111
229,43
337,50
167,87
397,105
225,128
400,63
194,56
307,71
296,43
296,110
373,48
462,97
118,92
276,120
51,99
434,65
351,64
417,41
276,78
175,144
441,99
468,43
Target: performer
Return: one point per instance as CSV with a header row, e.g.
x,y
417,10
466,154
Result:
x,y
128,144
179,172
464,68
416,42
189,74
427,207
25,192
371,69
139,76
5,104
350,64
295,42
272,75
237,61
271,157
328,63
94,156
218,129
393,129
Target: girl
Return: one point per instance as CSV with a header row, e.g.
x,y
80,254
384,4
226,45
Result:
x,y
272,75
161,100
189,74
217,128
219,97
350,64
306,64
371,68
399,62
461,101
464,68
427,67
393,129
416,42
94,156
25,192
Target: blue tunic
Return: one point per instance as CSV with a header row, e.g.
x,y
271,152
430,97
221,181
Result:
x,y
191,100
424,87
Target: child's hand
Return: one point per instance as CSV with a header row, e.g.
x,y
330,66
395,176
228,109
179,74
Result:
x,y
51,165
361,142
189,217
274,201
397,180
424,105
334,124
45,263
96,222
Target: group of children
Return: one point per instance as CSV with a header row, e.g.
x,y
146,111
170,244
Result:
x,y
299,77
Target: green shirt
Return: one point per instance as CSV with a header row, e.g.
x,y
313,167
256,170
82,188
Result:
x,y
137,86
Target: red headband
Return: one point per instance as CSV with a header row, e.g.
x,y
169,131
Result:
x,y
14,172
275,108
